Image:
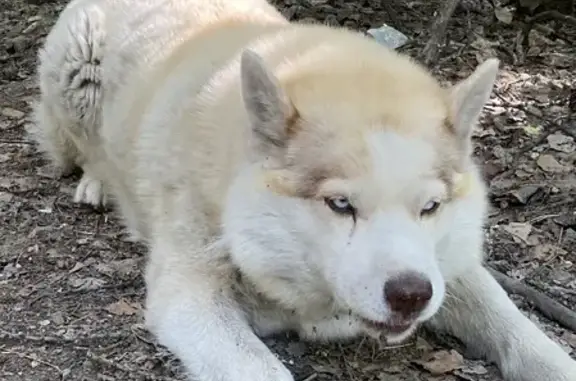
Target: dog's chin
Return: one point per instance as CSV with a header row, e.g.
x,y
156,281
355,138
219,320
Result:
x,y
393,331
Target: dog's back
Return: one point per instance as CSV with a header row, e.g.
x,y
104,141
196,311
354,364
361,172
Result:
x,y
144,34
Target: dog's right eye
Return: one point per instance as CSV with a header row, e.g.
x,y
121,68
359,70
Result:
x,y
340,205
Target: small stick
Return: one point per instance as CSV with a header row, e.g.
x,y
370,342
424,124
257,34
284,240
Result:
x,y
542,17
54,340
546,305
438,31
33,358
131,372
311,377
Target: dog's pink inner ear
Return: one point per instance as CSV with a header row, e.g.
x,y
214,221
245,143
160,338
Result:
x,y
468,98
265,101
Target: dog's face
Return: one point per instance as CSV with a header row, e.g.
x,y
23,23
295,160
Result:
x,y
358,176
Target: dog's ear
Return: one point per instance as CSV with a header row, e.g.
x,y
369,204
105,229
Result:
x,y
469,96
266,103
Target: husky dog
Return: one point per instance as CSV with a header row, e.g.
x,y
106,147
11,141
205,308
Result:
x,y
284,177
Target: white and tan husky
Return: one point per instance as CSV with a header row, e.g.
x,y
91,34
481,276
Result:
x,y
284,177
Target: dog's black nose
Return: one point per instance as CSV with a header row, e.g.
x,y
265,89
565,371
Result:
x,y
408,293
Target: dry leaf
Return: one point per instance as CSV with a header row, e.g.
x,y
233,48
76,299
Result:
x,y
86,284
549,163
532,130
504,14
58,318
442,362
77,267
547,251
6,197
524,193
475,369
122,307
518,230
570,338
561,142
12,113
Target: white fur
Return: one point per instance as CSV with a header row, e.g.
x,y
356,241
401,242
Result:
x,y
67,117
195,150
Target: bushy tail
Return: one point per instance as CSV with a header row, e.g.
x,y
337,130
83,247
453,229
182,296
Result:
x,y
80,74
68,112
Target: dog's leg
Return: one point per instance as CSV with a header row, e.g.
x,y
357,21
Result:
x,y
192,312
50,133
480,313
90,191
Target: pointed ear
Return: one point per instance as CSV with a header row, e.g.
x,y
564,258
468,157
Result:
x,y
469,97
266,103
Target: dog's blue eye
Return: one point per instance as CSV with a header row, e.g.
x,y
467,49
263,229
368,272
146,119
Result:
x,y
430,208
340,205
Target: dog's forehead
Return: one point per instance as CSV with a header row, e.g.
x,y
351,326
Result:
x,y
396,158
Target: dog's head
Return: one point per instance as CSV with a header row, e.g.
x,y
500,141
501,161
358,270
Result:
x,y
361,178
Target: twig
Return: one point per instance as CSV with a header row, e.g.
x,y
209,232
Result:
x,y
5,141
545,16
33,358
112,364
54,340
438,31
546,305
311,377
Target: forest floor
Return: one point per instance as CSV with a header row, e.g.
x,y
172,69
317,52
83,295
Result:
x,y
71,287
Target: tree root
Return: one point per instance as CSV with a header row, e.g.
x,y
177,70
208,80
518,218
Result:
x,y
546,305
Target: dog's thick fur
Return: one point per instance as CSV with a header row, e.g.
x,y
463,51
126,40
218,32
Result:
x,y
70,79
228,137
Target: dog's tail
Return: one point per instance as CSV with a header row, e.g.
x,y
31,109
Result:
x,y
70,78
80,76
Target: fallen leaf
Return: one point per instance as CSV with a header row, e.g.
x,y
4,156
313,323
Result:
x,y
547,251
123,267
6,197
504,14
21,184
58,318
475,369
392,369
77,267
442,362
86,284
12,113
518,230
570,338
524,193
532,130
122,307
9,270
548,163
561,142
4,157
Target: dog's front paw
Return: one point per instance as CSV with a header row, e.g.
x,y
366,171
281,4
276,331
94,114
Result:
x,y
90,191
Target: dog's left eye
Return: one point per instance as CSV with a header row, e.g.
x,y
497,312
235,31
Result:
x,y
430,208
340,205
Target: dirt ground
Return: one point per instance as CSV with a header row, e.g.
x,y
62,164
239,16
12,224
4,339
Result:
x,y
71,287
